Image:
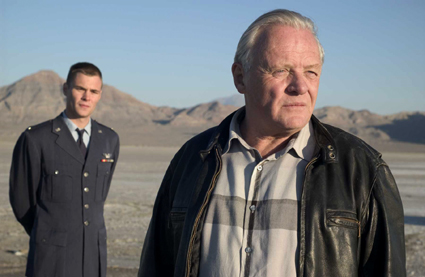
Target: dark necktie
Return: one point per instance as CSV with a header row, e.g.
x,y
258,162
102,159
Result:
x,y
80,142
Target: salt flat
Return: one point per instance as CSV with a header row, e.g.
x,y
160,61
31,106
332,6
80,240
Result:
x,y
131,197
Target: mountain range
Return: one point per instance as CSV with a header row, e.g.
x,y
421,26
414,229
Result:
x,y
38,97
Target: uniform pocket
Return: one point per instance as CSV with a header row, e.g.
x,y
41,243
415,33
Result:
x,y
58,187
102,252
50,253
102,178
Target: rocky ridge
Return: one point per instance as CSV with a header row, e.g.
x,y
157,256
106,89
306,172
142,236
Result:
x,y
38,97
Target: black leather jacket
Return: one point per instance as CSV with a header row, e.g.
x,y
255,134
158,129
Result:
x,y
351,219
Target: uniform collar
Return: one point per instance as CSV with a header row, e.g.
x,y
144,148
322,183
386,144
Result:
x,y
72,126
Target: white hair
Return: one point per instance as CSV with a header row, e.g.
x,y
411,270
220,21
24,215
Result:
x,y
275,17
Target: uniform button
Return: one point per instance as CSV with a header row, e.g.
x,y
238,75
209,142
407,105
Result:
x,y
57,172
86,223
86,206
260,167
86,174
248,250
252,208
86,189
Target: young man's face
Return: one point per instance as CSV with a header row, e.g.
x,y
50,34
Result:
x,y
82,95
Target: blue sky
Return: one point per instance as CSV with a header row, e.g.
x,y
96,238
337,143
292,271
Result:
x,y
179,53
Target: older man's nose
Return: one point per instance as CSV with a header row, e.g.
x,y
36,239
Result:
x,y
298,84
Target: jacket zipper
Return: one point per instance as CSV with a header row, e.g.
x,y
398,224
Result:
x,y
308,165
198,217
349,220
302,244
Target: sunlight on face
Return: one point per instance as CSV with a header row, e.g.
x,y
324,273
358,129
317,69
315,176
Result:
x,y
82,96
282,84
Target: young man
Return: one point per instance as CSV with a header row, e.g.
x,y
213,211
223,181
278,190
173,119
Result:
x,y
59,179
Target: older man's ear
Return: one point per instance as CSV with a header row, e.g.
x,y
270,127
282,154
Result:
x,y
238,77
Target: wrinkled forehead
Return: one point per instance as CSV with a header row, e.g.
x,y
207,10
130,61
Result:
x,y
280,39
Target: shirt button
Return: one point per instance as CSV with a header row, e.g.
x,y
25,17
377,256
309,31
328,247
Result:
x,y
86,189
260,167
86,206
86,174
248,250
86,223
252,208
57,172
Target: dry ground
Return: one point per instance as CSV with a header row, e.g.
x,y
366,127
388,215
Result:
x,y
129,206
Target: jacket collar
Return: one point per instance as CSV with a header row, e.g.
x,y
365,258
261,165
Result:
x,y
65,139
68,144
97,137
220,136
325,142
326,147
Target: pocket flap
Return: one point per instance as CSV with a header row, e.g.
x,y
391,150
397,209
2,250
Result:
x,y
342,218
103,168
341,214
52,237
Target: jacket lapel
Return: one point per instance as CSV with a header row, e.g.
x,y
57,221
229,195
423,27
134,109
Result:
x,y
95,147
65,139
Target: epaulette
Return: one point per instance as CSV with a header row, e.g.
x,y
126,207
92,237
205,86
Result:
x,y
33,127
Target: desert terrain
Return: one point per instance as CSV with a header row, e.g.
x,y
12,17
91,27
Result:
x,y
129,206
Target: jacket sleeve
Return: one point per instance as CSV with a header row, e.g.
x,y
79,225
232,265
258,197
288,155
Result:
x,y
383,248
157,254
24,179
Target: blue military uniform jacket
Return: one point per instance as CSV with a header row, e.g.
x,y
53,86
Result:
x,y
58,196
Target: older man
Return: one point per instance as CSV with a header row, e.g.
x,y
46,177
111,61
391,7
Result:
x,y
59,179
271,191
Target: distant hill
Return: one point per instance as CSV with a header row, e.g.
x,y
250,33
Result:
x,y
404,127
237,100
38,97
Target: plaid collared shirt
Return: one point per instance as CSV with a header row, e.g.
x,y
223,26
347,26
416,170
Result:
x,y
251,226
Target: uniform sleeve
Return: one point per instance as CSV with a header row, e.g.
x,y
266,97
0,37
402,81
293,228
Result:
x,y
24,179
383,247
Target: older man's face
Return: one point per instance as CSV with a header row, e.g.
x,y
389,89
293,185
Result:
x,y
281,85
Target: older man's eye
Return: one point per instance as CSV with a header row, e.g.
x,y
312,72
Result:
x,y
311,73
280,72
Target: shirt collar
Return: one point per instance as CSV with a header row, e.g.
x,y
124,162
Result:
x,y
302,142
71,125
